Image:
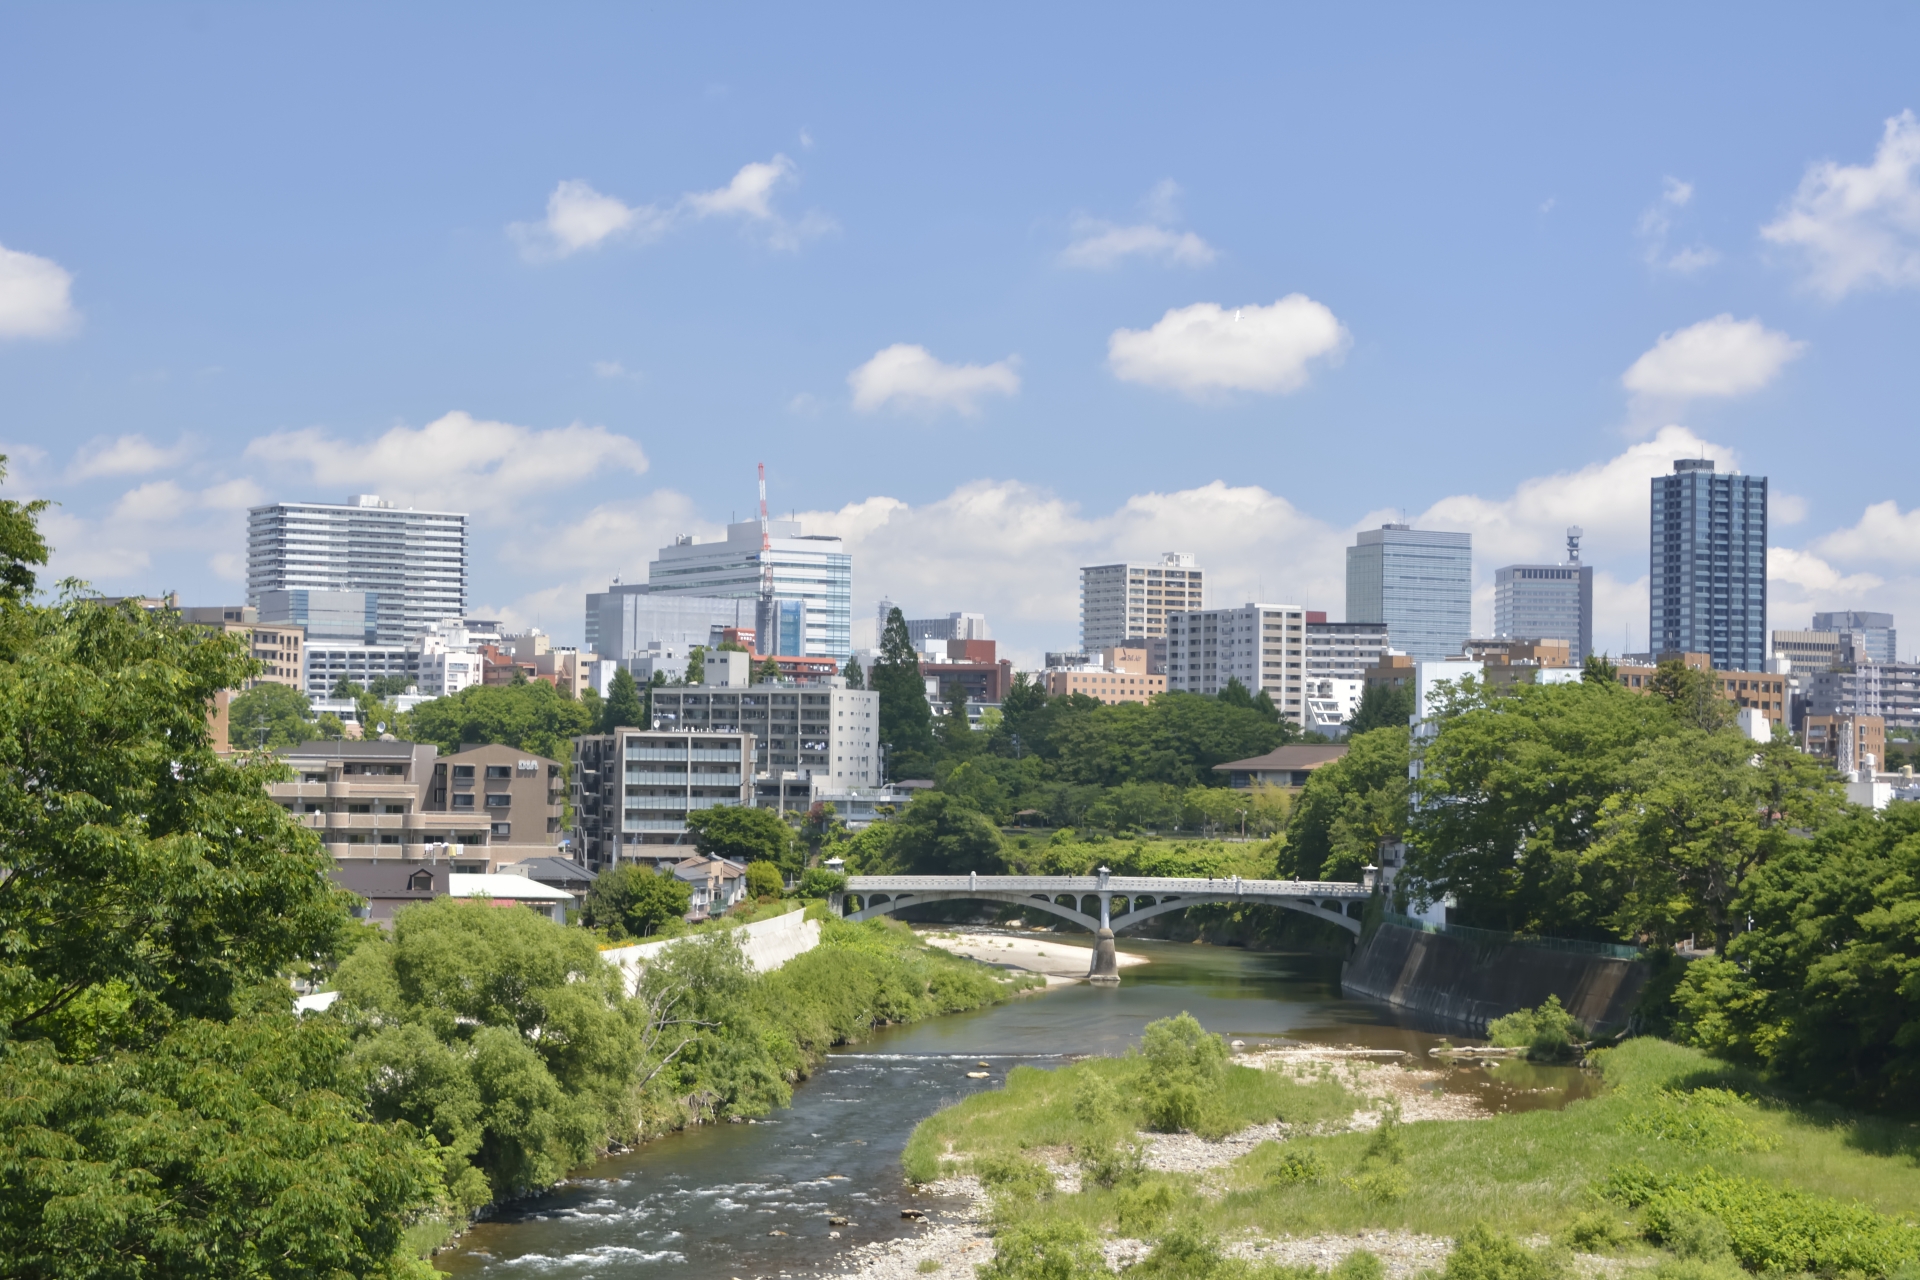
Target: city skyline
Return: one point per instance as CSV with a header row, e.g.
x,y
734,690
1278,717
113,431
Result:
x,y
1246,315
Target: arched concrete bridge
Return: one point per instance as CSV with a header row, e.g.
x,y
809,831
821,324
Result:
x,y
1089,901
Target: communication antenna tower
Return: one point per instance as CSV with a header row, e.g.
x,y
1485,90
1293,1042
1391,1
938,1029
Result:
x,y
1573,544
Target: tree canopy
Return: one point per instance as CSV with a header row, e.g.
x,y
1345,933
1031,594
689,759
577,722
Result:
x,y
744,835
629,901
533,716
623,707
906,721
274,716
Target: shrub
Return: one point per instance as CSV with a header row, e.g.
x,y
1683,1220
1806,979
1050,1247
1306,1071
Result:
x,y
1382,1185
1548,1032
1360,1265
1187,1253
1480,1253
1095,1100
818,882
1047,1250
1115,1166
1141,1210
1184,1067
1386,1145
763,880
1710,1120
1013,1177
1298,1167
1597,1231
1767,1228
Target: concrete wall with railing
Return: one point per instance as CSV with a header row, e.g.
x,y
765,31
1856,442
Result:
x,y
766,944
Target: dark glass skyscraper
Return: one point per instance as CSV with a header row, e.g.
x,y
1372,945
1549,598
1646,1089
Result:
x,y
1708,592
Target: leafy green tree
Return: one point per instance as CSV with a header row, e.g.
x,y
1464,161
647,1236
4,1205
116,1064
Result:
x,y
274,716
905,719
1599,669
731,646
696,665
1382,706
1235,694
594,705
943,835
631,901
329,728
1693,694
21,546
623,704
850,670
345,688
384,687
532,717
1177,738
763,880
956,728
766,670
1347,801
744,835
1698,814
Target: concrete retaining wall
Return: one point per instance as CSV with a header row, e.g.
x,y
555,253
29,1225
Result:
x,y
767,944
1473,983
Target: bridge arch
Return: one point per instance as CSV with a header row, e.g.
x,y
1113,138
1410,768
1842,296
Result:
x,y
883,904
1142,906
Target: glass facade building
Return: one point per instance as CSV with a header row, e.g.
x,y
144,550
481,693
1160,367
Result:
x,y
812,583
1708,591
1545,602
1417,581
411,564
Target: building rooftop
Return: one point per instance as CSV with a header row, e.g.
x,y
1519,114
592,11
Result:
x,y
1298,755
354,749
520,888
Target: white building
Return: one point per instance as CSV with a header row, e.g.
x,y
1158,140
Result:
x,y
1331,703
812,584
413,563
1123,604
1261,645
805,729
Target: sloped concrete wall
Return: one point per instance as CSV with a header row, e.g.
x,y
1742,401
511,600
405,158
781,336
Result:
x,y
1473,983
767,944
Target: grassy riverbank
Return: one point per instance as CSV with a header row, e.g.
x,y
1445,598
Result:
x,y
1682,1161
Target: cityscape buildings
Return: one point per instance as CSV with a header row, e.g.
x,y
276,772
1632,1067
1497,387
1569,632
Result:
x,y
1547,601
1261,645
1708,587
812,584
1419,582
1124,604
1112,675
1342,650
815,729
628,619
1875,637
635,787
413,563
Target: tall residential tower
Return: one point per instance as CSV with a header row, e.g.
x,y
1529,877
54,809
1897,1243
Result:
x,y
1128,604
1708,554
411,564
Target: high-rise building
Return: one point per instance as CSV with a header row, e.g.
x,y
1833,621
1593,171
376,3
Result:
x,y
927,632
623,621
1708,592
812,613
1260,645
1874,639
412,563
1546,601
1417,581
1123,604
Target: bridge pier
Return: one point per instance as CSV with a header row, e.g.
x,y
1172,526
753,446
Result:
x,y
1106,965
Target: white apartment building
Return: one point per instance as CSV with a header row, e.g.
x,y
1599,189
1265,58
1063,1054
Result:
x,y
1123,604
812,585
413,563
1342,650
806,729
1331,703
1263,645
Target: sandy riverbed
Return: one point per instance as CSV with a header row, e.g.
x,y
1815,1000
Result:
x,y
1041,953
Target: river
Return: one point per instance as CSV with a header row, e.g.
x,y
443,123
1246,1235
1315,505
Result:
x,y
738,1200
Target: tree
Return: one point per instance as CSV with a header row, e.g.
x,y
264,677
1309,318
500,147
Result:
x,y
744,835
623,704
329,728
956,730
943,835
1382,706
533,717
1348,805
766,671
1235,694
21,546
384,687
696,665
345,688
1693,694
273,716
905,719
763,880
1177,738
630,901
850,670
1598,669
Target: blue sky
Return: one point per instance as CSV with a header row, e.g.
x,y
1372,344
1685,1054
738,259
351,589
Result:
x,y
993,293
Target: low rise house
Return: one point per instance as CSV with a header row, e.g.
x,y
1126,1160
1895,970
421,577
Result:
x,y
717,884
512,891
1287,766
385,887
555,873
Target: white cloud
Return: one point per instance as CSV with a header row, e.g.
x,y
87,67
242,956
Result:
x,y
125,456
1656,225
456,461
614,369
911,377
1717,357
1884,534
1205,349
1857,226
580,218
1098,245
1809,572
36,297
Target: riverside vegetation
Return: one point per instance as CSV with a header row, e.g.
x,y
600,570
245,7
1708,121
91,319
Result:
x,y
1684,1165
164,1113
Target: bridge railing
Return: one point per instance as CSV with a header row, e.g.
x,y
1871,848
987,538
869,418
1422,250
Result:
x,y
1126,886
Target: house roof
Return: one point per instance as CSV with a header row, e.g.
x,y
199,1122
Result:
x,y
514,888
699,867
552,869
1295,756
354,748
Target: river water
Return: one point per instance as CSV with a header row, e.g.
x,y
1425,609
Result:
x,y
740,1200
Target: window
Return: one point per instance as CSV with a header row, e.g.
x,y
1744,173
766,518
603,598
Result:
x,y
499,771
463,773
499,800
502,830
463,802
420,881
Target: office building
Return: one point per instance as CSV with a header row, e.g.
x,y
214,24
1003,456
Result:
x,y
811,729
1261,645
1342,650
635,787
1547,601
931,634
333,617
1888,691
1125,604
625,621
414,563
1874,639
1808,651
1419,582
1849,743
975,665
1708,592
812,614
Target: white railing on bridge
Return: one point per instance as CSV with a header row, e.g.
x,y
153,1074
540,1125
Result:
x,y
1124,886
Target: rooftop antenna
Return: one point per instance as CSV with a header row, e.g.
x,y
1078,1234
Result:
x,y
1574,535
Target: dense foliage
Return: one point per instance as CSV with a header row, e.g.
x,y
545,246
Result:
x,y
531,715
270,716
634,901
744,835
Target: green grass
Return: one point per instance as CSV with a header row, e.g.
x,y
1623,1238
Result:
x,y
1802,1170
